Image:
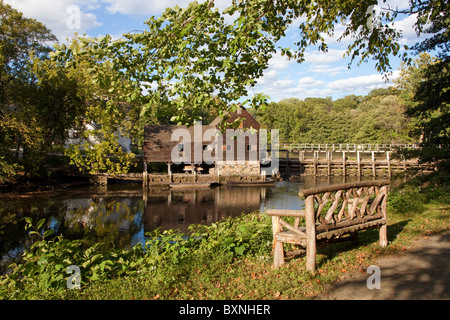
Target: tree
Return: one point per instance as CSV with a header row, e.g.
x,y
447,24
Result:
x,y
187,57
19,38
41,100
429,80
426,85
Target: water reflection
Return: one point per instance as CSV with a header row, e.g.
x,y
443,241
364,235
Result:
x,y
120,215
177,209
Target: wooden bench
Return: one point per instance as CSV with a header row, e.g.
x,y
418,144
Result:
x,y
331,212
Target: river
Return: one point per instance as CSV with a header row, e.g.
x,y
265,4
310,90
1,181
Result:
x,y
121,214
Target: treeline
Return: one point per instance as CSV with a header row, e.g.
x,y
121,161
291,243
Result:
x,y
104,89
379,117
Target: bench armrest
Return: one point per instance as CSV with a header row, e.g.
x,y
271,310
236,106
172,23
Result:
x,y
285,213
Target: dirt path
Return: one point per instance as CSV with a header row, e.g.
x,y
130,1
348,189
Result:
x,y
421,272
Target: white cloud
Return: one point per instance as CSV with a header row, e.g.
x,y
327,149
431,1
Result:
x,y
309,82
395,4
332,55
306,87
283,83
140,7
269,77
361,83
280,62
310,86
406,26
152,7
327,69
58,16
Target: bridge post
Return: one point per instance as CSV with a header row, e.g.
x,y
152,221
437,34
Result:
x,y
388,163
344,167
329,159
374,172
316,153
301,156
358,157
287,164
169,171
145,174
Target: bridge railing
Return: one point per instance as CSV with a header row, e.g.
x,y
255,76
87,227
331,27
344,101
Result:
x,y
365,147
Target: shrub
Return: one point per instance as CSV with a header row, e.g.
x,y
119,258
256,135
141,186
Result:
x,y
166,256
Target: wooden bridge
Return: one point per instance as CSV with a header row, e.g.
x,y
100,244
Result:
x,y
348,147
376,160
345,160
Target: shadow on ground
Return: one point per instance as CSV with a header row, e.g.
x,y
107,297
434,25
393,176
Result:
x,y
422,272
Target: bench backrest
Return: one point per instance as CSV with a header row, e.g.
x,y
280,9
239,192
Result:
x,y
331,211
339,203
348,201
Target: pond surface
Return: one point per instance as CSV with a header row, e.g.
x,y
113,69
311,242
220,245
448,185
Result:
x,y
120,214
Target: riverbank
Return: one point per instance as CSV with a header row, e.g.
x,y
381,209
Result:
x,y
230,259
59,182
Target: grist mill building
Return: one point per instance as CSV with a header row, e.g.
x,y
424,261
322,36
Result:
x,y
204,148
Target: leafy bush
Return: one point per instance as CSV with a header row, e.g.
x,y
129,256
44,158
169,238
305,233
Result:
x,y
403,200
419,191
166,256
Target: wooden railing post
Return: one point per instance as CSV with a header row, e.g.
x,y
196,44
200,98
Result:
x,y
374,168
329,160
344,172
310,221
358,159
388,164
316,155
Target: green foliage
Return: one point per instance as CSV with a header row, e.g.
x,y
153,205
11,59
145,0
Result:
x,y
190,55
164,256
186,61
7,169
426,84
379,117
20,37
231,259
420,191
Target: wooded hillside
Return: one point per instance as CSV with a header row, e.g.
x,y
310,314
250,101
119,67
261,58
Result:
x,y
378,117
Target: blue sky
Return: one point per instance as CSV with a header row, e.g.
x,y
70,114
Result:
x,y
321,75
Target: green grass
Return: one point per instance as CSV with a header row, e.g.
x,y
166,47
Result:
x,y
231,259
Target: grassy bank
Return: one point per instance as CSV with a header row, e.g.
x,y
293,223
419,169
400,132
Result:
x,y
230,259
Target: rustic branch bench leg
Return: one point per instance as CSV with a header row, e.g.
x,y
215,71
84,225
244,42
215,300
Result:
x,y
310,234
354,236
278,252
383,228
383,236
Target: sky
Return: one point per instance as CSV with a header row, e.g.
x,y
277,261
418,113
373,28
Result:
x,y
321,75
